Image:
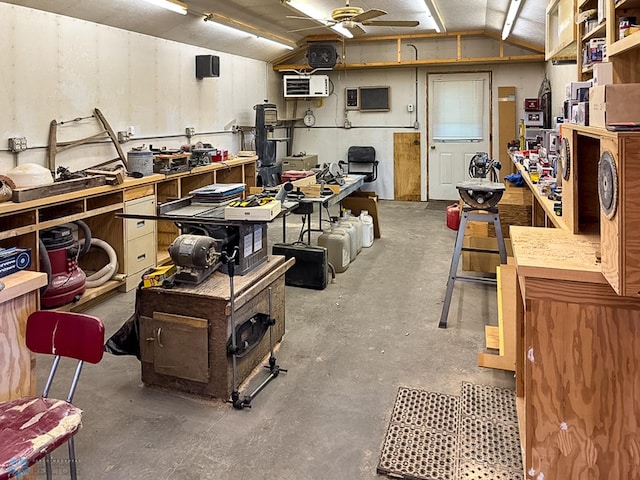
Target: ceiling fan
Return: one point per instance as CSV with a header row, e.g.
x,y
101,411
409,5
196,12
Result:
x,y
352,17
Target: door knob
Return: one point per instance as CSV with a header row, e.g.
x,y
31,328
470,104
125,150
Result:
x,y
432,147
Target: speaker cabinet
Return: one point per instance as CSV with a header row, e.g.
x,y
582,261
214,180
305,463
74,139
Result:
x,y
322,55
207,66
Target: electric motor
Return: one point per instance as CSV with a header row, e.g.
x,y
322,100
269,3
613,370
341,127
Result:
x,y
193,251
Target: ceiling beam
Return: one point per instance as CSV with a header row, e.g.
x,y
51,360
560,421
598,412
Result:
x,y
536,56
422,63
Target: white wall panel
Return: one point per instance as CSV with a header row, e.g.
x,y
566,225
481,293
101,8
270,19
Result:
x,y
62,68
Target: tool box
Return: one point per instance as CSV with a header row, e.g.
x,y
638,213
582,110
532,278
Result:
x,y
311,269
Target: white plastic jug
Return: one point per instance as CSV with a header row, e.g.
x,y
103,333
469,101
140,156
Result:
x,y
367,228
350,228
355,221
336,241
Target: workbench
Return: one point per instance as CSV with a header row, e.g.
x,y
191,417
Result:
x,y
352,183
185,330
18,299
578,361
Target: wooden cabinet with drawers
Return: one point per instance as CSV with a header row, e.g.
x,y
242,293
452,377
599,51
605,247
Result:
x,y
137,244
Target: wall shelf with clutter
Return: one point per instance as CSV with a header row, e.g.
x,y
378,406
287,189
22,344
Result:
x,y
591,24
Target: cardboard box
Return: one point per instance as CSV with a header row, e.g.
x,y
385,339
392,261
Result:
x,y
571,89
617,103
358,201
580,113
302,162
159,275
602,74
261,213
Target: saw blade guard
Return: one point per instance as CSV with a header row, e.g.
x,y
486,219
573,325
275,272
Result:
x,y
480,193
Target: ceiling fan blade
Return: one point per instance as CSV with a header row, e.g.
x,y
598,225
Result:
x,y
392,23
355,30
368,15
309,28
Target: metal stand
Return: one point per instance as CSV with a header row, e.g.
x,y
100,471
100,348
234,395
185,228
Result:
x,y
240,402
474,215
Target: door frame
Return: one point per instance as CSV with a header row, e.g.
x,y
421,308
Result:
x,y
426,110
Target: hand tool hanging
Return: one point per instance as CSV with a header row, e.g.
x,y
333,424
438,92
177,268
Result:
x,y
236,400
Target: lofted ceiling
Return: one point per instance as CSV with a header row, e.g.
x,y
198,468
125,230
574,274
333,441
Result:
x,y
269,17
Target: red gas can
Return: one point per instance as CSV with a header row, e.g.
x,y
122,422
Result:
x,y
453,216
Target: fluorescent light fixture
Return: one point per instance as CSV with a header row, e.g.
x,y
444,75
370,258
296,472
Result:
x,y
511,18
243,29
273,42
434,13
308,11
173,5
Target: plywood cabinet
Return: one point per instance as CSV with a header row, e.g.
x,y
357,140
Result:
x,y
582,212
578,367
560,38
184,331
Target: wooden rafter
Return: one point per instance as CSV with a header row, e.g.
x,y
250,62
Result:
x,y
537,54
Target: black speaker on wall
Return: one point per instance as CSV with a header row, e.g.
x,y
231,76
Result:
x,y
322,55
207,66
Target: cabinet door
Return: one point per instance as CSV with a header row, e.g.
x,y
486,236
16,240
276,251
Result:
x,y
582,386
176,345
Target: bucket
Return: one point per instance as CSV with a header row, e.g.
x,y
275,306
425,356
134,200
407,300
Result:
x,y
140,161
453,216
367,228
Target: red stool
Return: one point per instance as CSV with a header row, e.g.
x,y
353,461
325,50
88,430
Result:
x,y
33,427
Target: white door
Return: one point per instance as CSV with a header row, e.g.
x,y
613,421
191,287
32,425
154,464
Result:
x,y
459,123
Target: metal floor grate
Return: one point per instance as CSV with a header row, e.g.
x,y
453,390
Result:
x,y
433,436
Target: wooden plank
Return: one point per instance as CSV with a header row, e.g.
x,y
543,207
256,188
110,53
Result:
x,y
492,337
113,177
541,252
507,126
57,188
406,166
507,317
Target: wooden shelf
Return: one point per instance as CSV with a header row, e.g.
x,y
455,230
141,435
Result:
x,y
628,4
21,223
598,32
624,45
544,202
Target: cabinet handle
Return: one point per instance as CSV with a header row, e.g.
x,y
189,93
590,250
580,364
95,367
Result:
x,y
158,337
141,257
140,224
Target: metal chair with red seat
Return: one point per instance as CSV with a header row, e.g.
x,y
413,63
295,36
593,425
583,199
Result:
x,y
33,427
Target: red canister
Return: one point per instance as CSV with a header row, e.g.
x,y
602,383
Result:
x,y
453,216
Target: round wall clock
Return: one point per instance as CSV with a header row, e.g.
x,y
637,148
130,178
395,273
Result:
x,y
309,119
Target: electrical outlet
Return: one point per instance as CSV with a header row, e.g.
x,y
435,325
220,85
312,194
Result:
x,y
410,107
123,136
190,131
18,144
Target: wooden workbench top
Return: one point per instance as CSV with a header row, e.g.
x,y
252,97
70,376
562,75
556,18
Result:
x,y
556,254
21,282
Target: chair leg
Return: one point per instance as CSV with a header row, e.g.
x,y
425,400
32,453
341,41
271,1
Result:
x,y
73,472
47,466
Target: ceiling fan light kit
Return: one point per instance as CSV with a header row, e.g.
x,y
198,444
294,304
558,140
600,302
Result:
x,y
347,20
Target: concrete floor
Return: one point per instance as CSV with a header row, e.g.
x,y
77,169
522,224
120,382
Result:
x,y
347,348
